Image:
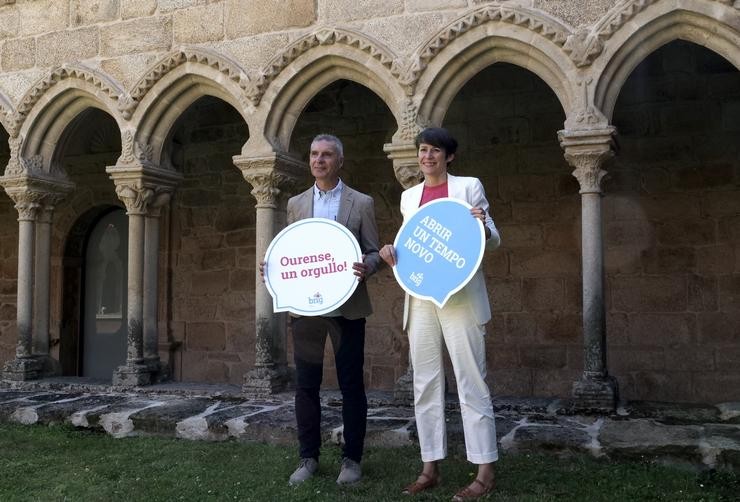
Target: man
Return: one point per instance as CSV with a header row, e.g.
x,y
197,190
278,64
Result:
x,y
330,198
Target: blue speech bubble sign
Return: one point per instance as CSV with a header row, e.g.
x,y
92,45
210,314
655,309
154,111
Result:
x,y
308,267
438,250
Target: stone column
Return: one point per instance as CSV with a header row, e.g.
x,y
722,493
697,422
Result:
x,y
586,151
151,282
271,177
406,168
35,192
140,188
42,298
25,366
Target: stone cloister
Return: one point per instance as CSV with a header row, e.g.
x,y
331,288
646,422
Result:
x,y
606,139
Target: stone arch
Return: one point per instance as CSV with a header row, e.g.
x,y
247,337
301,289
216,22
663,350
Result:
x,y
697,22
315,62
169,87
45,111
488,35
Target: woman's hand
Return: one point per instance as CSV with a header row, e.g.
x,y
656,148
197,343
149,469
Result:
x,y
480,214
388,253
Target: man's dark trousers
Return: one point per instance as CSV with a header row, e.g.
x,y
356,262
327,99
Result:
x,y
348,342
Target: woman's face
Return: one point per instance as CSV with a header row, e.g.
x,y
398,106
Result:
x,y
433,160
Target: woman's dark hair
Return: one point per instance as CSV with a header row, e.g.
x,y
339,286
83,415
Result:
x,y
439,137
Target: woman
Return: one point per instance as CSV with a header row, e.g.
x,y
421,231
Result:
x,y
460,324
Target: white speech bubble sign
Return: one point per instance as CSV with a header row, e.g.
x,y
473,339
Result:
x,y
308,267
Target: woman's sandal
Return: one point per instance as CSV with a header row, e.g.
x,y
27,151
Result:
x,y
427,482
468,494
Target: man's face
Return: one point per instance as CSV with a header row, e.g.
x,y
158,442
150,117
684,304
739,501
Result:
x,y
325,161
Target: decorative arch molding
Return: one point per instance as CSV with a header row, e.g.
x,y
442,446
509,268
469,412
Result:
x,y
293,89
105,90
47,110
222,69
470,54
41,133
367,47
168,98
621,14
6,113
702,22
482,20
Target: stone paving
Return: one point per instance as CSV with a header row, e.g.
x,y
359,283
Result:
x,y
699,436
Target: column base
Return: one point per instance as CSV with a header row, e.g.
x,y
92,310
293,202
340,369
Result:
x,y
22,369
403,390
50,367
134,375
265,382
158,370
596,393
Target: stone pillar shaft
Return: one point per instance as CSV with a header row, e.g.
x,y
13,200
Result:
x,y
135,351
144,189
586,151
35,191
594,314
265,319
406,168
270,176
151,303
26,244
42,278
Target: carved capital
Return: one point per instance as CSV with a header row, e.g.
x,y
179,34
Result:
x,y
144,190
135,195
28,209
405,163
271,176
33,194
587,151
162,197
33,204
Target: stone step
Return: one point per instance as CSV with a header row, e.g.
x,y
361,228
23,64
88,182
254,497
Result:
x,y
699,436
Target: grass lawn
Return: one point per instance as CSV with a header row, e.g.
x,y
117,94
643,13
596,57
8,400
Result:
x,y
60,463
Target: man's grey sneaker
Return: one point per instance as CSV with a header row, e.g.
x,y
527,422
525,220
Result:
x,y
306,468
350,473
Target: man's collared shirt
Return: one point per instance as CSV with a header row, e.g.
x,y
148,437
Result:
x,y
326,204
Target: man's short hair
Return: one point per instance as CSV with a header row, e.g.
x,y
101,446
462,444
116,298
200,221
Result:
x,y
439,137
331,139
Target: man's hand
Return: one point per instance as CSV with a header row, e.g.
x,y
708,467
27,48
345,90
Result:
x,y
360,269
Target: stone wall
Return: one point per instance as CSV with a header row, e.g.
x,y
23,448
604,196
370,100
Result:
x,y
364,123
211,305
672,211
504,76
505,119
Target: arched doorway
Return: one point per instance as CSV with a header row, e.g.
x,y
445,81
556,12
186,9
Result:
x,y
93,341
104,296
